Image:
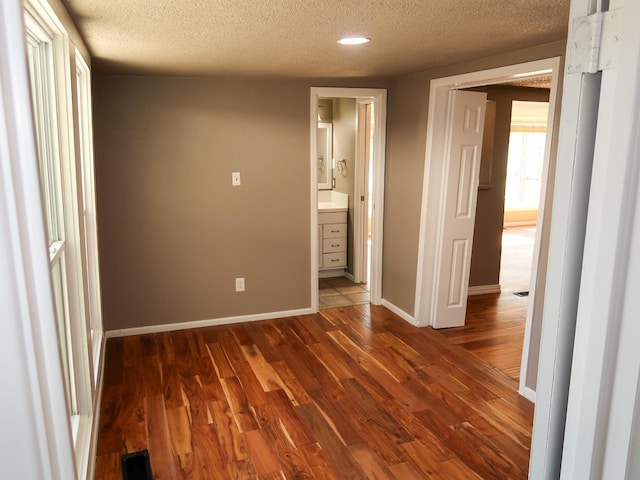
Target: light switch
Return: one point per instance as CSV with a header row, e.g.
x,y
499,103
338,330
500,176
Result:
x,y
235,179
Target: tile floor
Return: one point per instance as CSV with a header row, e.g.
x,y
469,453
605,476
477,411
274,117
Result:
x,y
340,292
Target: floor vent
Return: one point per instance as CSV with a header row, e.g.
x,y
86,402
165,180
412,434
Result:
x,y
136,466
522,294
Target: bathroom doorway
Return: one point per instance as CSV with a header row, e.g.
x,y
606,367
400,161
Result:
x,y
348,145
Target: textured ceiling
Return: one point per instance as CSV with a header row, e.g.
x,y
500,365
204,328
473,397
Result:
x,y
298,38
537,82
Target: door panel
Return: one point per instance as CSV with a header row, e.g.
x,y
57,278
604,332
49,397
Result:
x,y
464,145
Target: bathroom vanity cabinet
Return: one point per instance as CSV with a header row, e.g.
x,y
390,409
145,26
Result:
x,y
332,232
332,240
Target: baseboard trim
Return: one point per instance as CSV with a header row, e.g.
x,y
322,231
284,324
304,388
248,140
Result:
x,y
168,327
336,272
524,223
484,289
93,449
528,393
398,311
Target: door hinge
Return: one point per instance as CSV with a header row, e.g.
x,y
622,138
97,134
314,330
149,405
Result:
x,y
594,42
362,198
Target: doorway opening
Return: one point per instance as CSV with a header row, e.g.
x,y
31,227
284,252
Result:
x,y
525,163
430,256
347,164
506,214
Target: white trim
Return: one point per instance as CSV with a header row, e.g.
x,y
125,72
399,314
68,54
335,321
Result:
x,y
398,311
340,272
40,446
578,124
313,198
484,289
379,97
524,223
527,393
604,393
361,189
350,277
97,405
537,279
433,171
169,327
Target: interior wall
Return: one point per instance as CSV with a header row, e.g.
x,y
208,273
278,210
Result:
x,y
173,232
487,235
405,167
344,147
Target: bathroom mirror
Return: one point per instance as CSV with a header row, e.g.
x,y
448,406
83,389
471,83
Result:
x,y
324,157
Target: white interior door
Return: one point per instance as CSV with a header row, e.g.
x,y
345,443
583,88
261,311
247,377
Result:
x,y
462,164
361,200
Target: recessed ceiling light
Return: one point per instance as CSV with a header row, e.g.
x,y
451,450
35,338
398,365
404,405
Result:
x,y
353,40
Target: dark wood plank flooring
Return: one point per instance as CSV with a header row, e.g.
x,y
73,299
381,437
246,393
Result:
x,y
494,330
349,393
494,324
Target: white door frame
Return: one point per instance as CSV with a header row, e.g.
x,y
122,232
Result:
x,y
591,335
379,97
430,219
36,433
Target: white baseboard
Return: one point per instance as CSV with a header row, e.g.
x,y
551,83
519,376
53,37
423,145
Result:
x,y
336,272
527,393
96,413
525,223
350,277
484,289
398,311
168,327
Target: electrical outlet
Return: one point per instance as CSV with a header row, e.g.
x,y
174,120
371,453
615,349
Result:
x,y
239,284
235,179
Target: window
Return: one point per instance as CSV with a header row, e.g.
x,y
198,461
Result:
x,y
46,108
526,155
90,246
59,79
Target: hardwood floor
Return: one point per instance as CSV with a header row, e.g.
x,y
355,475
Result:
x,y
494,330
349,393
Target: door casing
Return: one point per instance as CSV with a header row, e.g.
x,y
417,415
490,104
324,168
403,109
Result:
x,y
379,97
430,218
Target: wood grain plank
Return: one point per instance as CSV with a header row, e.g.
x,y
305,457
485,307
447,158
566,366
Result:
x,y
239,404
109,467
208,379
291,461
295,428
317,460
179,430
337,453
172,387
263,458
164,463
266,375
220,361
405,471
230,439
114,357
131,352
370,462
353,392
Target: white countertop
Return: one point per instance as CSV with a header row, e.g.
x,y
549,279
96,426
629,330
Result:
x,y
332,201
331,207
